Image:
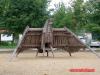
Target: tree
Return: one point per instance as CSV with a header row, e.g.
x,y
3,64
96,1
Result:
x,y
73,17
79,17
93,25
62,16
96,12
15,15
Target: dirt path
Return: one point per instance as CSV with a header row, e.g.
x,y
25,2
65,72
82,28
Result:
x,y
28,64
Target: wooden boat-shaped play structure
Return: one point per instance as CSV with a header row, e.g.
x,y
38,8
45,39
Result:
x,y
47,38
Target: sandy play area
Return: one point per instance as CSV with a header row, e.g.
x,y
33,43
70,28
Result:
x,y
27,64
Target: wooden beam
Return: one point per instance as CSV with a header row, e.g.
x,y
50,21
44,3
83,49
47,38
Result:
x,y
19,43
35,29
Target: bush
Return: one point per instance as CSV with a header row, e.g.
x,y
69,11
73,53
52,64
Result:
x,y
4,44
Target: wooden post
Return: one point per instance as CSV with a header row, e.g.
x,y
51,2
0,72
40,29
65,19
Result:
x,y
47,53
52,50
70,53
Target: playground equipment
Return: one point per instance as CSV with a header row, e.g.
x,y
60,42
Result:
x,y
47,38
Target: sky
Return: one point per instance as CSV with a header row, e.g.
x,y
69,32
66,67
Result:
x,y
55,2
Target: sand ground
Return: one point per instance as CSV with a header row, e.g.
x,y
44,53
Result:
x,y
27,64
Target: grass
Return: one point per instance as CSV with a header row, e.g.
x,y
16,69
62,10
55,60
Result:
x,y
7,45
10,46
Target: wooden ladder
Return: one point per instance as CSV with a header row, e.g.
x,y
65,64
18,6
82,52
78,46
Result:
x,y
47,29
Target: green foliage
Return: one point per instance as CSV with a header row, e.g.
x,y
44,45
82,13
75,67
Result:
x,y
93,9
73,17
15,15
62,17
96,14
93,14
7,44
81,17
94,29
91,27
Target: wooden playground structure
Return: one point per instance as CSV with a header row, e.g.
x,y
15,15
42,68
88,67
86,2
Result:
x,y
47,38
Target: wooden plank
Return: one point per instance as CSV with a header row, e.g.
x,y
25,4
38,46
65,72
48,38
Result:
x,y
58,29
34,46
33,34
35,29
